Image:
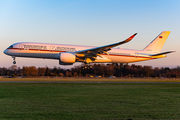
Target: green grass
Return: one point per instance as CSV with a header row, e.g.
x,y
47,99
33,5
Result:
x,y
89,101
177,80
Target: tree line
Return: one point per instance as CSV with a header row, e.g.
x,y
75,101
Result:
x,y
103,70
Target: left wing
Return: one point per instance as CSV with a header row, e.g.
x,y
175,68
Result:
x,y
97,51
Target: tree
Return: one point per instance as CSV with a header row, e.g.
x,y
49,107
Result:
x,y
75,74
3,71
147,71
61,74
55,71
25,71
33,71
47,72
110,69
68,73
41,71
156,72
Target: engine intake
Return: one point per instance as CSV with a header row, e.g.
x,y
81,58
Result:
x,y
66,58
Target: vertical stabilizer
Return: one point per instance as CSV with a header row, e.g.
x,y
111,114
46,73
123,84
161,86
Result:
x,y
157,44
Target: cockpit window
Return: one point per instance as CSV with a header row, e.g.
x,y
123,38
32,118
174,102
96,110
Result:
x,y
10,46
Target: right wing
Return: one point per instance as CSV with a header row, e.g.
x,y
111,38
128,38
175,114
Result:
x,y
97,51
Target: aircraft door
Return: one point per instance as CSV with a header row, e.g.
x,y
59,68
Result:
x,y
52,48
136,55
21,47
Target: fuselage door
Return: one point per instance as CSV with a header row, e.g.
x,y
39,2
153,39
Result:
x,y
21,47
52,48
136,55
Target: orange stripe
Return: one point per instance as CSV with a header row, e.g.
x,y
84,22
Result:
x,y
69,51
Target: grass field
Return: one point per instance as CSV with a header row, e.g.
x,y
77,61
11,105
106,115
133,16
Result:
x,y
89,101
88,80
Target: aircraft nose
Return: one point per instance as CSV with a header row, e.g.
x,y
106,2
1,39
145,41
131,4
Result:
x,y
6,51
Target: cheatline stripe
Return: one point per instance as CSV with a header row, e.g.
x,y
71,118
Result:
x,y
70,51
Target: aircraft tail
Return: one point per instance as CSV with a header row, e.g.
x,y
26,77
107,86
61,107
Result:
x,y
157,44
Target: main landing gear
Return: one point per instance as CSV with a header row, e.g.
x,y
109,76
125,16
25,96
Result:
x,y
14,58
87,66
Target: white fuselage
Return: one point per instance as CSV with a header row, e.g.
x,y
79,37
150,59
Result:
x,y
51,51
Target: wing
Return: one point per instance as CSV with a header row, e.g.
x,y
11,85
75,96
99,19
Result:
x,y
97,51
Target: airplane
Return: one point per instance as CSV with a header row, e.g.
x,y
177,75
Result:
x,y
69,54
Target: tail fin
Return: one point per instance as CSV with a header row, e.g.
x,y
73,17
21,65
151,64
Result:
x,y
157,44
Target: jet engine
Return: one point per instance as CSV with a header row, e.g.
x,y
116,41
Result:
x,y
66,58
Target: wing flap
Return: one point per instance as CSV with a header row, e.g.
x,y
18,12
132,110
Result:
x,y
90,55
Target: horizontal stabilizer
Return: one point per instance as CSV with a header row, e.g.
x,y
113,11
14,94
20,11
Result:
x,y
162,53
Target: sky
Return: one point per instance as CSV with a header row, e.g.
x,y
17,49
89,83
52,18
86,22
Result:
x,y
89,22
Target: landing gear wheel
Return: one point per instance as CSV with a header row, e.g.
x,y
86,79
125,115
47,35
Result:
x,y
14,58
90,66
87,66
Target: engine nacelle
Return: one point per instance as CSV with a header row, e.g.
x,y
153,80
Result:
x,y
66,58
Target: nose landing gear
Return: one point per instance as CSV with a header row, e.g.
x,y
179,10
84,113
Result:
x,y
14,58
14,62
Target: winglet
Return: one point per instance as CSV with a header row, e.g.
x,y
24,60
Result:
x,y
125,41
130,38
